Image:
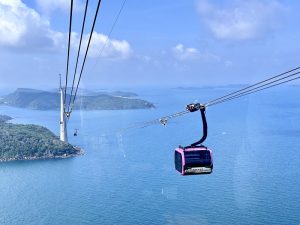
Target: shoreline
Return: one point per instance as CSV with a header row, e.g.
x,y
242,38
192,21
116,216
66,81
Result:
x,y
79,150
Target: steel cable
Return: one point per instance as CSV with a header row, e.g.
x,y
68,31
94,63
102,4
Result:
x,y
78,53
69,44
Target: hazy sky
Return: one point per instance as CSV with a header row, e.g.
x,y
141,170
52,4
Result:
x,y
158,42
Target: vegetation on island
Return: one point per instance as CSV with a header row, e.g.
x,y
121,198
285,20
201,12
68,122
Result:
x,y
28,142
44,100
4,118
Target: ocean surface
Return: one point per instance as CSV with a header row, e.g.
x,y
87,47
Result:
x,y
129,177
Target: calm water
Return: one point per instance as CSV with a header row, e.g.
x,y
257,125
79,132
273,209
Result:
x,y
129,178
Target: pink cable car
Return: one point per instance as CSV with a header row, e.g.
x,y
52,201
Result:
x,y
196,158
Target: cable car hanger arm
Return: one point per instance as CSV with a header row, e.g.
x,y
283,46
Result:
x,y
199,107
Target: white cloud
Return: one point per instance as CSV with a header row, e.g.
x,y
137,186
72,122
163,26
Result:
x,y
182,53
112,49
48,6
228,63
243,20
23,27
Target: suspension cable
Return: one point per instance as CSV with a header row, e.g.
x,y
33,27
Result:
x,y
71,103
246,88
254,91
231,96
69,43
78,53
86,52
242,93
111,30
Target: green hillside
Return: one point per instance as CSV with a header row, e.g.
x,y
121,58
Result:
x,y
28,142
44,100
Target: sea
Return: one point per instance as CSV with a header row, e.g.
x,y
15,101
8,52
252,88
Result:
x,y
128,176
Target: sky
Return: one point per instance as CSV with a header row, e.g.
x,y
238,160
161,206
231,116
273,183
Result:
x,y
154,43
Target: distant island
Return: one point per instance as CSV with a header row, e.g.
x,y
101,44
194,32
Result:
x,y
31,142
46,100
4,118
228,86
86,92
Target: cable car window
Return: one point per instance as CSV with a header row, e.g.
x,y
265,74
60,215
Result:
x,y
194,158
178,161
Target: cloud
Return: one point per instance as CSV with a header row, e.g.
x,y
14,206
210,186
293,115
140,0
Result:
x,y
22,27
103,47
242,20
187,58
182,53
228,63
48,6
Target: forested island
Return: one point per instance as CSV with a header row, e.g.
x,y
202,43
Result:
x,y
46,100
30,142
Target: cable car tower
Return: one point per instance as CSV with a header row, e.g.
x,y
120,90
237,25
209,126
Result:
x,y
63,118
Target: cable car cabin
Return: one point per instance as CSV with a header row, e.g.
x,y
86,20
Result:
x,y
194,160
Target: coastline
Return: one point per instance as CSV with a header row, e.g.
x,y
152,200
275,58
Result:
x,y
79,152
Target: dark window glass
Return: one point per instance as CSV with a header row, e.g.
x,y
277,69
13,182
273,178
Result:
x,y
178,162
197,158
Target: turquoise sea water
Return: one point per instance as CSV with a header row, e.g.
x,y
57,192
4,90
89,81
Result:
x,y
129,178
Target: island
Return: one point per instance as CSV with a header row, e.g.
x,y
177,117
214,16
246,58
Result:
x,y
31,142
4,118
48,100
